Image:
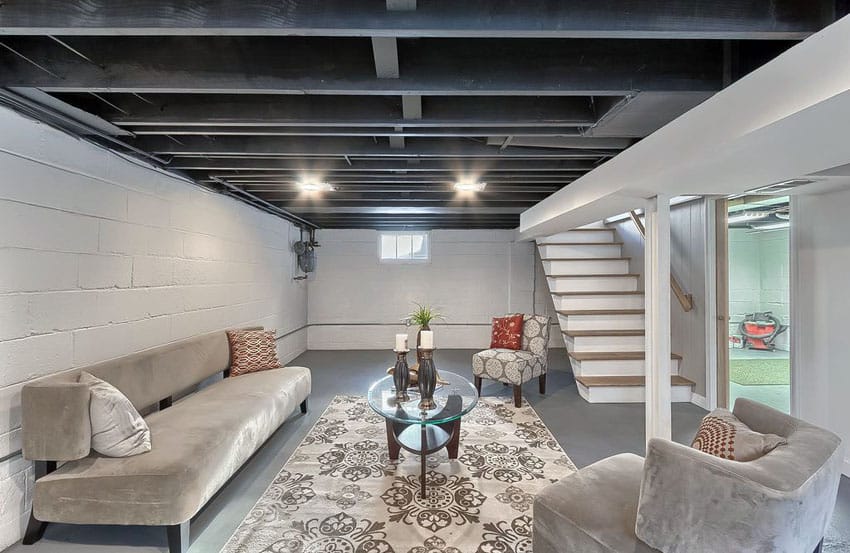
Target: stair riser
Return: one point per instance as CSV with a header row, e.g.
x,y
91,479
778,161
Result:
x,y
634,367
593,284
601,322
627,394
599,302
605,343
580,236
584,251
587,267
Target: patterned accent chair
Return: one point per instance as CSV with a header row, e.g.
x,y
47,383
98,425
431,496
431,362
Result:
x,y
516,367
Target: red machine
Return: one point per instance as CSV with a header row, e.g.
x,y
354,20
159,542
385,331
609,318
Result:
x,y
759,330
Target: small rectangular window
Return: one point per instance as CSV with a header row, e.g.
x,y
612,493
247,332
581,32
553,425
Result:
x,y
403,247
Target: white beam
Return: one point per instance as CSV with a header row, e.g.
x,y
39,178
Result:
x,y
657,296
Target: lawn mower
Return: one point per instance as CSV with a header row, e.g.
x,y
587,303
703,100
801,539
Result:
x,y
759,331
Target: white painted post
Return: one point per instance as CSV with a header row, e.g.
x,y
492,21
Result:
x,y
657,292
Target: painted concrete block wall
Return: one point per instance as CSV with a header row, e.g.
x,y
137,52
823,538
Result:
x,y
687,260
357,302
820,227
100,257
759,276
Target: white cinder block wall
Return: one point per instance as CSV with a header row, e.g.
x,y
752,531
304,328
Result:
x,y
100,257
357,302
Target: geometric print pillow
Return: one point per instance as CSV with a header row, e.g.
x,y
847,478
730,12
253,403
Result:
x,y
252,351
507,332
721,434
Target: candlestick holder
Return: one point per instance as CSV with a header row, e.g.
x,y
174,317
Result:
x,y
401,376
427,379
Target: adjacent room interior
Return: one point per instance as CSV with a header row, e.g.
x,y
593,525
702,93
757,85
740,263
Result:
x,y
423,276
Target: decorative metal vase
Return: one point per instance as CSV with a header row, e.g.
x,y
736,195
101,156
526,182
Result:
x,y
401,376
427,379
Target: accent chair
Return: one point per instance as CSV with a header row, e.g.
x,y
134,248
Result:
x,y
516,367
679,499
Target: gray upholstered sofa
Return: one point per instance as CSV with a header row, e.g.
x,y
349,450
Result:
x,y
198,441
681,500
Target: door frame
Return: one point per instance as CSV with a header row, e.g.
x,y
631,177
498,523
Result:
x,y
720,317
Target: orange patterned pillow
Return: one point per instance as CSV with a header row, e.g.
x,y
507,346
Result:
x,y
252,351
507,332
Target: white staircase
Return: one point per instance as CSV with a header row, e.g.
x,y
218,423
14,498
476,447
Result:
x,y
601,314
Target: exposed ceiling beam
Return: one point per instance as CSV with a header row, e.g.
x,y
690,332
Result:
x,y
385,52
314,65
187,110
362,147
374,166
398,131
716,19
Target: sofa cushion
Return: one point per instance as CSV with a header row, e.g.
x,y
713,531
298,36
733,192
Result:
x,y
252,351
117,429
506,332
198,444
721,434
592,510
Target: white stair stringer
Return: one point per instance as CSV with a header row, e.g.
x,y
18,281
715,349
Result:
x,y
601,315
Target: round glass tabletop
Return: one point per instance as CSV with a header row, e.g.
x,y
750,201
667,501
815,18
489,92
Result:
x,y
455,397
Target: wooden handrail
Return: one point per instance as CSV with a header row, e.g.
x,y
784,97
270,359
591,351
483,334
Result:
x,y
685,300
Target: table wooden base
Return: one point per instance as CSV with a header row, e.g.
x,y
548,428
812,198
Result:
x,y
423,440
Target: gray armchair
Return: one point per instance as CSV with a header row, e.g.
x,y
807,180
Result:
x,y
681,500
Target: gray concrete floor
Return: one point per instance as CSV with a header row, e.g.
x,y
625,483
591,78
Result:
x,y
586,432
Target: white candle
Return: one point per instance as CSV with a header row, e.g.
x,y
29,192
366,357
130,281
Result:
x,y
427,341
401,342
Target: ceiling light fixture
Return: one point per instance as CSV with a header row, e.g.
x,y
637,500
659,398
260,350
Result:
x,y
470,186
309,186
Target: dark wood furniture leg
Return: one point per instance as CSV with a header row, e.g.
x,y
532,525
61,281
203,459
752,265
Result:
x,y
392,443
304,407
178,537
819,548
35,527
517,395
422,457
542,382
454,444
478,384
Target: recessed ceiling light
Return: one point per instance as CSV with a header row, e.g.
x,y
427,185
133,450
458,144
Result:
x,y
470,186
315,186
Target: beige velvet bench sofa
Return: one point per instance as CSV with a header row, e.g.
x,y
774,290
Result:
x,y
198,441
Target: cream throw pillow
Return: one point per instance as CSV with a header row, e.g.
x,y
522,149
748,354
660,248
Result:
x,y
117,428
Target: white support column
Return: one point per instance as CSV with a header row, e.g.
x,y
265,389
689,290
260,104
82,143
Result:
x,y
657,296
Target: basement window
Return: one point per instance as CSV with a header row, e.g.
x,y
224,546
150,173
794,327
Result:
x,y
404,247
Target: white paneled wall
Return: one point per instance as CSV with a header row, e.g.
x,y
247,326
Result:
x,y
356,302
100,257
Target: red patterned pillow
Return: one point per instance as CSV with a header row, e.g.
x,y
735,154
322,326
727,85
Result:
x,y
507,332
252,351
721,434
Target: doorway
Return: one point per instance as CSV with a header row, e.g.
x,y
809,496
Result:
x,y
757,301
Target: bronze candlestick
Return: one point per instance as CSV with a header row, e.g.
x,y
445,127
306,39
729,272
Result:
x,y
427,379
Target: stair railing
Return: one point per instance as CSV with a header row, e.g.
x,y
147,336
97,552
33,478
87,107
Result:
x,y
685,300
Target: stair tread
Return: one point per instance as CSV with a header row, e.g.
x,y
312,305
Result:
x,y
597,275
584,258
591,381
600,311
601,293
613,355
617,243
586,333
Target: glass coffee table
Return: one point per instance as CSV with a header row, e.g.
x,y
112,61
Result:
x,y
424,432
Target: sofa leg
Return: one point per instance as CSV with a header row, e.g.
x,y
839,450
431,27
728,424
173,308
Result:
x,y
542,383
478,384
819,548
304,407
34,531
517,396
178,537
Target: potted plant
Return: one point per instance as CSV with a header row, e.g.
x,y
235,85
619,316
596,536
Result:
x,y
422,317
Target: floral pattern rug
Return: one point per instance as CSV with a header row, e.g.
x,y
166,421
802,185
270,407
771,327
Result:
x,y
340,492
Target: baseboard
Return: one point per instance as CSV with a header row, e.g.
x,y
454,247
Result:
x,y
699,401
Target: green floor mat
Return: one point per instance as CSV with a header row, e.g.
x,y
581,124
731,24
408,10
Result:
x,y
760,372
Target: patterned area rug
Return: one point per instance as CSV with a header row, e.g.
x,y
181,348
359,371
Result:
x,y
340,492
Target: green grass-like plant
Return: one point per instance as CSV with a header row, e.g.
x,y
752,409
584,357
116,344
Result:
x,y
423,315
